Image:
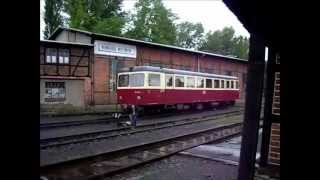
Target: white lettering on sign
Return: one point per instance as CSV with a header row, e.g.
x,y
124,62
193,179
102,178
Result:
x,y
115,49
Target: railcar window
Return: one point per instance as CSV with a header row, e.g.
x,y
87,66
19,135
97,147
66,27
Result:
x,y
228,84
169,80
191,82
200,83
232,85
179,81
237,84
154,79
136,80
208,83
222,83
123,80
216,83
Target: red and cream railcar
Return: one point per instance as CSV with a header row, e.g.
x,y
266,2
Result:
x,y
147,86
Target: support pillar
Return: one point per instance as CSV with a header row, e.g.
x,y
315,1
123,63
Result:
x,y
267,121
252,108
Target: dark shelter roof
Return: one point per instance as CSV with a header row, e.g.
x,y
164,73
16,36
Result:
x,y
174,71
260,17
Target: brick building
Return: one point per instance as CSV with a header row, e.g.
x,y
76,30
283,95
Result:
x,y
111,53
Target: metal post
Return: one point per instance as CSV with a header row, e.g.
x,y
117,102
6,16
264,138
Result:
x,y
267,110
252,108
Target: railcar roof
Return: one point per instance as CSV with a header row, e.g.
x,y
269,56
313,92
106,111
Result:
x,y
174,71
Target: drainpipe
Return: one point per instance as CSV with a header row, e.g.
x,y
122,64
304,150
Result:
x,y
92,59
198,63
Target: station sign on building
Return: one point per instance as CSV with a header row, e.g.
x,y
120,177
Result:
x,y
115,49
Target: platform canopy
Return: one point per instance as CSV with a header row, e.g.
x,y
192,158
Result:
x,y
260,17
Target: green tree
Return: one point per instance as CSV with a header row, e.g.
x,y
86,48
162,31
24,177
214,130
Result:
x,y
241,47
152,22
225,42
52,16
101,16
189,35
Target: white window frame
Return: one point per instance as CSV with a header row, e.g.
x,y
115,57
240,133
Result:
x,y
165,81
219,80
134,87
204,82
147,79
184,78
49,57
65,59
222,81
195,82
212,83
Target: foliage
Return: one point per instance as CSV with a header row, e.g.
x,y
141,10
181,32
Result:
x,y
189,35
152,22
101,16
52,16
225,42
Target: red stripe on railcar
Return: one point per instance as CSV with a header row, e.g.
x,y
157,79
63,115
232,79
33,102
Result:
x,y
173,96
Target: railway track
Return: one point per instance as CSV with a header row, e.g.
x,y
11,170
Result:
x,y
106,164
110,133
106,120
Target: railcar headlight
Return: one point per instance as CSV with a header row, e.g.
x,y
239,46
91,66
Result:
x,y
120,97
138,97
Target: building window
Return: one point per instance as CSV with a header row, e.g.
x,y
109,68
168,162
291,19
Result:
x,y
200,83
55,91
51,55
63,56
169,80
179,81
191,82
154,79
216,83
208,83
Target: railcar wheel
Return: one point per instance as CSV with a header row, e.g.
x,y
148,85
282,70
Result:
x,y
199,106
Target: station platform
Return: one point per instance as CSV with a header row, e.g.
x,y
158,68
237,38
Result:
x,y
216,161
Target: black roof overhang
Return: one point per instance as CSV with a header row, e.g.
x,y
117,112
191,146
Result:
x,y
260,17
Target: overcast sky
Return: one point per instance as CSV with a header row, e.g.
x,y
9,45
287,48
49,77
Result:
x,y
213,14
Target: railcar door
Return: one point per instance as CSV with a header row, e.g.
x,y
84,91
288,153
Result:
x,y
168,88
155,89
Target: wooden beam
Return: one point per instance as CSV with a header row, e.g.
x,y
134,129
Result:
x,y
267,109
252,108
